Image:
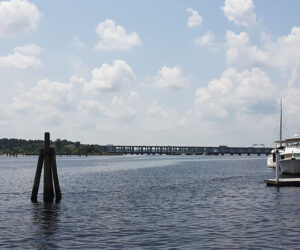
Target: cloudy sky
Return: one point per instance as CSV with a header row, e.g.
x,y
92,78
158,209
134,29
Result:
x,y
150,72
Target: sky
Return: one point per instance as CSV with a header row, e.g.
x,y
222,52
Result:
x,y
193,73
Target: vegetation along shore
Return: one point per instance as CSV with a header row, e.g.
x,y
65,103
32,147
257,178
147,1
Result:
x,y
62,147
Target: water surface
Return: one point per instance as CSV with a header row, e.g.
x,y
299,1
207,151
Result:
x,y
149,202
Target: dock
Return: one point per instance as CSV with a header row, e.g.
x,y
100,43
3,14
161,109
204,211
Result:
x,y
283,182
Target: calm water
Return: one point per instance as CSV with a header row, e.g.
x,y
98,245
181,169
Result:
x,y
150,202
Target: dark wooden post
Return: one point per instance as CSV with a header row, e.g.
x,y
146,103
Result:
x,y
48,182
37,177
48,157
55,175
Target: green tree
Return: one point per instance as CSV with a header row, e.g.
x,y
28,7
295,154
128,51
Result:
x,y
77,144
58,145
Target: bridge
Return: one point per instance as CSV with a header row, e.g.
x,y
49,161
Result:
x,y
187,150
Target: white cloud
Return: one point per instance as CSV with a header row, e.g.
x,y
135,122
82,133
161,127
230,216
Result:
x,y
119,109
77,80
51,117
291,108
170,78
93,108
24,57
115,37
282,54
194,19
241,12
17,17
46,95
19,61
110,77
51,104
155,111
294,77
239,51
206,39
236,93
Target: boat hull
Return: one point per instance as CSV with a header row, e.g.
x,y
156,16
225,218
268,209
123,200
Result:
x,y
291,166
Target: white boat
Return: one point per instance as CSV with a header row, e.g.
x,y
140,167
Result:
x,y
289,162
289,153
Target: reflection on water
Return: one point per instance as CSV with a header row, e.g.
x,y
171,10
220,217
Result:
x,y
45,218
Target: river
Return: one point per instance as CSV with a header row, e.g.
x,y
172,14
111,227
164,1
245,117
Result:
x,y
149,202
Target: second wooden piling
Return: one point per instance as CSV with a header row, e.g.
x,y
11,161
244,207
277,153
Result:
x,y
37,177
55,175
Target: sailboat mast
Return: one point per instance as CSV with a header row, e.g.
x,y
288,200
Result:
x,y
280,133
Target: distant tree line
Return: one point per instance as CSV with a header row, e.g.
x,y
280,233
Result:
x,y
65,147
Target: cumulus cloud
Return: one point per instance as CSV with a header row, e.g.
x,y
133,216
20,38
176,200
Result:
x,y
291,107
45,95
110,77
194,19
120,109
17,17
115,37
46,103
24,57
19,61
240,12
53,102
282,54
236,93
170,78
206,39
240,52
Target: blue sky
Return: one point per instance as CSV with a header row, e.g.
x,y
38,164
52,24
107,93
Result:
x,y
149,72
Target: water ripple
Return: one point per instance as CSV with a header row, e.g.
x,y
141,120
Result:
x,y
150,202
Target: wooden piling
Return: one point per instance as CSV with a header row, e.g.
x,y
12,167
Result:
x,y
48,181
47,157
55,175
37,177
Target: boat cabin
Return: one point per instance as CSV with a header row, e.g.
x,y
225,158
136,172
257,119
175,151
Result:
x,y
292,149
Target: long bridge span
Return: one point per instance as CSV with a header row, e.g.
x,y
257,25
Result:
x,y
188,150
